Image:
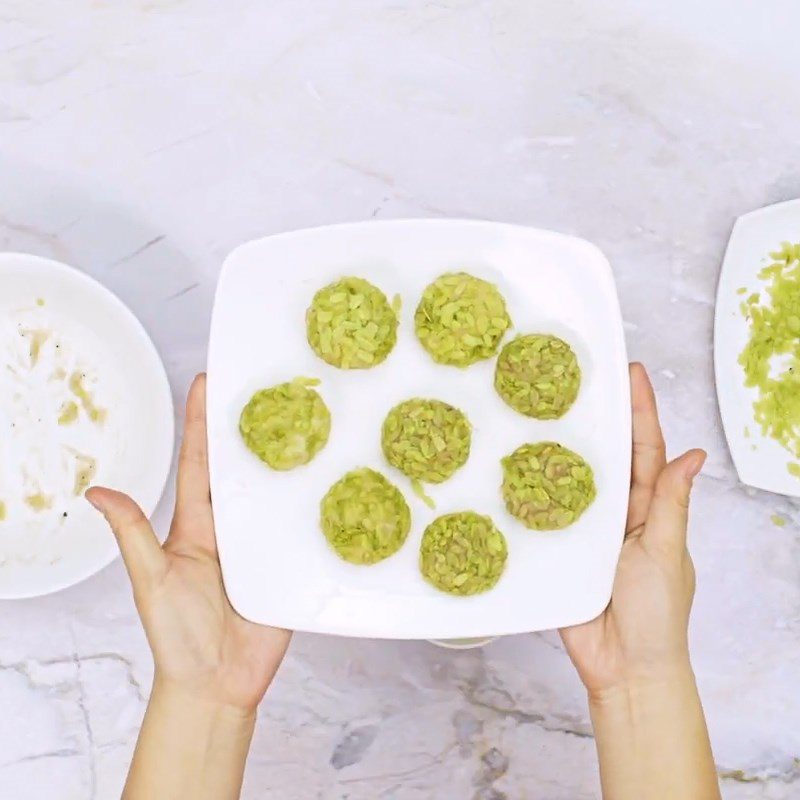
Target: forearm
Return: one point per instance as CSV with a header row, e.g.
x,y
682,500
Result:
x,y
652,742
189,748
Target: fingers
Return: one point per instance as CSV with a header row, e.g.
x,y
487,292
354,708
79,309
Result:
x,y
193,489
649,456
193,518
141,551
665,528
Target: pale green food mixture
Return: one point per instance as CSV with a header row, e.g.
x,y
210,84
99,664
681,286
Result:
x,y
351,325
94,412
462,553
547,486
68,413
461,319
2,510
419,491
286,425
364,517
39,501
771,358
38,338
85,469
426,439
538,375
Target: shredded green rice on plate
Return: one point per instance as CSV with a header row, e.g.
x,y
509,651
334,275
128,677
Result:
x,y
546,486
538,375
419,491
771,358
364,517
461,319
286,425
426,439
462,553
351,325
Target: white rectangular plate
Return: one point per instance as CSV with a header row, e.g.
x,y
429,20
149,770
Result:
x,y
277,566
759,460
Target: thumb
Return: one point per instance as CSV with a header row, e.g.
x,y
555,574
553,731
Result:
x,y
669,509
144,559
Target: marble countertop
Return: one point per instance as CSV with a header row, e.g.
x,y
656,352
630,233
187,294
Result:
x,y
142,141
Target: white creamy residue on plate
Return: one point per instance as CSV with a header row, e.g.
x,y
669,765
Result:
x,y
56,431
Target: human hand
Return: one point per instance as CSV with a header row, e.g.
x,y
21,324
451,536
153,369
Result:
x,y
201,646
651,735
642,635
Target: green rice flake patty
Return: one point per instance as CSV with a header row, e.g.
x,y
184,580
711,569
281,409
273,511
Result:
x,y
546,486
462,553
771,358
428,440
351,325
461,319
364,517
538,375
286,425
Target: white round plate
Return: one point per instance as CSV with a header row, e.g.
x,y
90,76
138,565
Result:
x,y
277,566
55,323
463,644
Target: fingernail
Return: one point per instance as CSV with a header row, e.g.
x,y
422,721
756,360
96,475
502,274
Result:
x,y
92,502
695,465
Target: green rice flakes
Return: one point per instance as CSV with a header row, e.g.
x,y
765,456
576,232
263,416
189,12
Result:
x,y
546,486
426,439
364,517
462,553
771,358
538,376
461,319
351,325
286,425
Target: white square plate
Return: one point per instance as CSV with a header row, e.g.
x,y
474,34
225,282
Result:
x,y
277,566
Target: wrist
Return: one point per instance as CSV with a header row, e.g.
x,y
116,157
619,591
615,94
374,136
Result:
x,y
637,715
203,712
645,687
189,746
651,738
201,694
